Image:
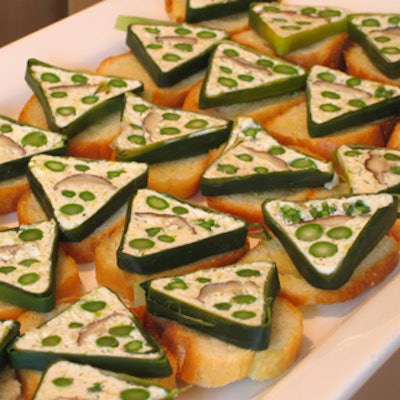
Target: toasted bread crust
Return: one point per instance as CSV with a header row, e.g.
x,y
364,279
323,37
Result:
x,y
327,52
126,65
202,359
180,178
358,64
290,128
248,205
10,192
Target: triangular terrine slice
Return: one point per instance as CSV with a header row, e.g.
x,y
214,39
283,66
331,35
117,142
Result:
x,y
28,257
253,161
74,100
98,329
328,238
80,194
232,303
164,232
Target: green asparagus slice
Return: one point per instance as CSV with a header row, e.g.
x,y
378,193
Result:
x,y
336,100
68,380
232,303
98,329
9,329
28,257
378,35
171,52
80,194
369,169
154,134
74,100
238,74
288,27
163,232
328,238
19,142
254,161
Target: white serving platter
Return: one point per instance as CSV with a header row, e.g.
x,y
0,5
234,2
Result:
x,y
344,344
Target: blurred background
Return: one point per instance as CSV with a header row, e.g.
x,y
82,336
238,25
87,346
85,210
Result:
x,y
21,17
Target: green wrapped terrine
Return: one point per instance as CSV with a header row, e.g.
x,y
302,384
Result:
x,y
9,330
170,51
336,100
19,142
68,380
202,10
163,232
28,258
369,169
253,161
81,194
153,134
288,27
378,35
328,238
98,329
232,303
73,100
238,74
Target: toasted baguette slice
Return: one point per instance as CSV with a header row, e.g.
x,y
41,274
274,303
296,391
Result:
x,y
68,283
327,52
371,271
248,205
359,64
290,128
180,178
125,283
202,359
10,387
176,9
93,142
10,192
126,65
29,211
259,110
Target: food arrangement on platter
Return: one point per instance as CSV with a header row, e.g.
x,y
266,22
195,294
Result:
x,y
235,164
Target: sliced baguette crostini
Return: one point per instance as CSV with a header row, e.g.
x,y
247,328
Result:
x,y
201,357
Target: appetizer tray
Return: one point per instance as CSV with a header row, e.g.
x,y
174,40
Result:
x,y
343,344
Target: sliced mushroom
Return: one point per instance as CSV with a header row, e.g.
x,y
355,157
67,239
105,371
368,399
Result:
x,y
278,163
283,15
176,38
86,180
391,31
378,166
242,62
173,219
333,220
151,123
10,248
225,288
95,328
9,148
338,87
